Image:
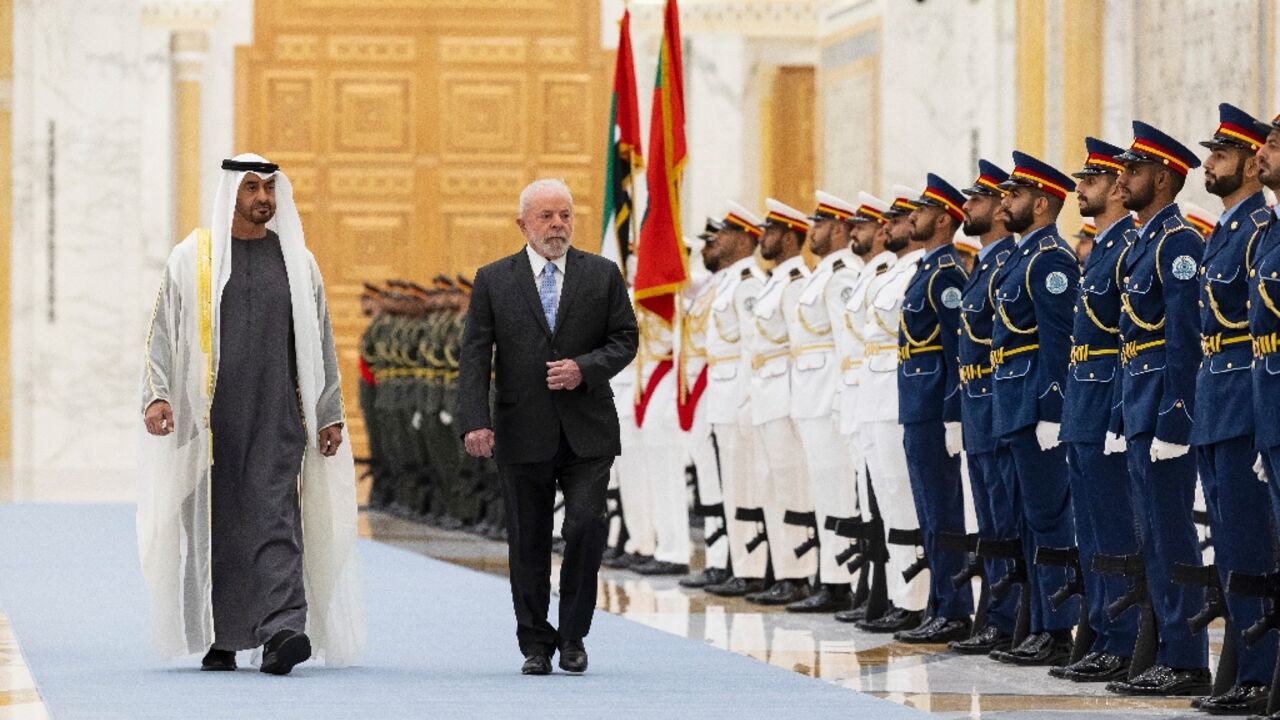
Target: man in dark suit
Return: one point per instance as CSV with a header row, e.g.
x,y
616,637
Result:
x,y
562,325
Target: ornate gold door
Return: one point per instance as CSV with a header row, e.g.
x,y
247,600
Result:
x,y
408,131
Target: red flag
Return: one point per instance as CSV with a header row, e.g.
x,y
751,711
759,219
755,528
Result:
x,y
662,263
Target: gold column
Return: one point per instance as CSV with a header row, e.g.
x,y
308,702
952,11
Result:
x,y
188,47
1081,90
6,228
1030,64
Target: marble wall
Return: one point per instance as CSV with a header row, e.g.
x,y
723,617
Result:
x,y
92,223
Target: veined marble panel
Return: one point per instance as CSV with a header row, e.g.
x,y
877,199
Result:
x,y
92,208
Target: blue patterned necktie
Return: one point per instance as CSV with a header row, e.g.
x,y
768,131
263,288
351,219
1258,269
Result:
x,y
547,293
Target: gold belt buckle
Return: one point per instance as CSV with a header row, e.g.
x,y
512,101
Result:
x,y
997,356
757,362
1211,344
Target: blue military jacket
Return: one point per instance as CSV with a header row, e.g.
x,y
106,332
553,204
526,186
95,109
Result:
x,y
976,315
1031,336
1264,325
1159,328
928,376
1224,388
1092,385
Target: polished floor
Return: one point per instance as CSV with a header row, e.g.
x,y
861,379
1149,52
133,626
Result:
x,y
923,677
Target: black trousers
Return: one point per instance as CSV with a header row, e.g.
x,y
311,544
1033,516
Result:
x,y
529,492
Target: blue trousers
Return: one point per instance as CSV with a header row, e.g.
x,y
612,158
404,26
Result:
x,y
1240,516
999,518
1164,494
939,499
1102,496
1046,506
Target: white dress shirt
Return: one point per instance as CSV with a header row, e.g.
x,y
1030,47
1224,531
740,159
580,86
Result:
x,y
537,262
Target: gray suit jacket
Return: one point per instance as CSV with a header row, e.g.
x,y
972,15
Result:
x,y
595,326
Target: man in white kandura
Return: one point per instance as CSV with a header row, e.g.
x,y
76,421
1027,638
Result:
x,y
247,462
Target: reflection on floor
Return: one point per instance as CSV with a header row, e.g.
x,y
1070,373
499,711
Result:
x,y
925,677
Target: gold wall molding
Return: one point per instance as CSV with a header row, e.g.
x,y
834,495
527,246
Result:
x,y
1029,122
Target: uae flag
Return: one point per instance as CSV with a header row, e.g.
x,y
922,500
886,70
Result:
x,y
662,265
623,153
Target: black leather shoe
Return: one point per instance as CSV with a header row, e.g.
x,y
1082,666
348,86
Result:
x,y
660,567
940,631
573,657
1164,680
782,592
892,621
825,599
986,641
283,651
1037,650
736,587
1239,700
626,560
536,664
856,613
218,660
1097,667
710,576
1060,671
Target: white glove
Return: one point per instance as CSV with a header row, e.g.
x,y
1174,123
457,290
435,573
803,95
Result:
x,y
416,422
1047,434
1259,469
1114,444
445,417
1161,450
954,440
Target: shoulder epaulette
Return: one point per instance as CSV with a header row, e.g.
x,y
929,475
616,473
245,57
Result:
x,y
946,261
1174,223
746,273
1001,257
795,274
882,269
1260,217
1049,243
1131,236
837,265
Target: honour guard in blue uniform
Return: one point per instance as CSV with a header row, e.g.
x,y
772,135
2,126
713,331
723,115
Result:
x,y
1101,491
1263,264
990,465
1223,429
1159,354
1030,348
929,407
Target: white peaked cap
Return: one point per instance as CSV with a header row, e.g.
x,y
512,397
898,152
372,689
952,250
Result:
x,y
784,213
733,209
827,201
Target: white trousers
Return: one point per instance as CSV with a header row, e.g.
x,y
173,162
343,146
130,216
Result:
x,y
702,450
881,446
665,457
785,487
833,485
740,484
633,487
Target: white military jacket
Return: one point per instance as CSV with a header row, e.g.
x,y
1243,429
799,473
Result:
x,y
729,330
815,371
771,344
878,379
850,326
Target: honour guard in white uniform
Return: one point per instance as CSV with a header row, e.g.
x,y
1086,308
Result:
x,y
815,384
785,493
730,334
878,433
